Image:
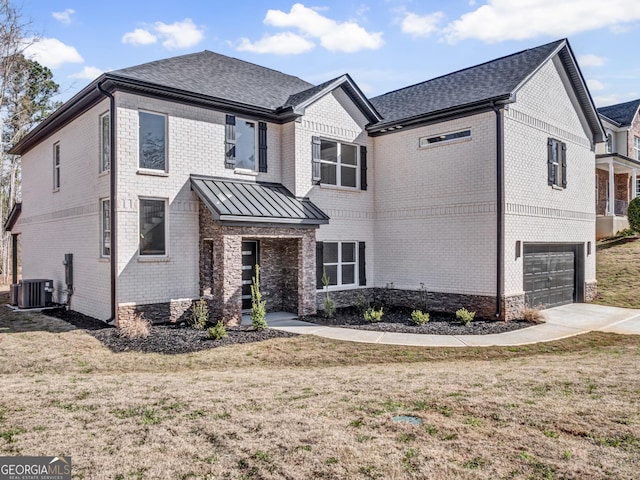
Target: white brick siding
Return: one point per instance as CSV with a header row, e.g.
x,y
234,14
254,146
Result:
x,y
535,211
435,208
68,220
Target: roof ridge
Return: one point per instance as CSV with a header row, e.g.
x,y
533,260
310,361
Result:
x,y
472,67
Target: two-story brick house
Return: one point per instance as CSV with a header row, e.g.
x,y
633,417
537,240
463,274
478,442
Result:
x,y
617,166
170,180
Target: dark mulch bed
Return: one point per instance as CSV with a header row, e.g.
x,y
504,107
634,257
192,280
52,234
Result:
x,y
168,339
399,320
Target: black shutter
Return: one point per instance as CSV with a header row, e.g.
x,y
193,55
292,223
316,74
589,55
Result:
x,y
230,142
315,160
363,167
362,264
564,165
550,166
262,147
319,264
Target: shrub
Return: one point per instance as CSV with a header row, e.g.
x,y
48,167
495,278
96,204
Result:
x,y
465,316
258,310
217,332
361,303
139,327
419,317
633,214
532,315
372,315
199,315
329,304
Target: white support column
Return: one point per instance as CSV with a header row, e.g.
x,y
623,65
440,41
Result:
x,y
634,183
612,193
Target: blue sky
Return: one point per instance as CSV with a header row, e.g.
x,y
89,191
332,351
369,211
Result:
x,y
382,44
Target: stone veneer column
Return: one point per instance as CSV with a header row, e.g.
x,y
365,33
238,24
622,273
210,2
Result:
x,y
307,274
231,291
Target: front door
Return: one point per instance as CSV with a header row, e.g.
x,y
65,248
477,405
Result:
x,y
249,261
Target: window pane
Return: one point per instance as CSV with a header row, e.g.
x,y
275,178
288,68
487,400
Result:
x,y
348,252
348,274
328,173
105,139
349,155
245,145
332,273
328,151
152,141
152,220
330,252
348,176
106,228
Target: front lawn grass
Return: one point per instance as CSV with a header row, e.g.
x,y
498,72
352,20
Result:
x,y
618,272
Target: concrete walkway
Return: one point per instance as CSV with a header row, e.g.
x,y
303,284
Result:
x,y
560,322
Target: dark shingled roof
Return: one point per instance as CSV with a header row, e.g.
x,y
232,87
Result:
x,y
301,97
622,113
245,201
494,79
219,76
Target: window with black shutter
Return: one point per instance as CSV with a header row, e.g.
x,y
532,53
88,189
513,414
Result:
x,y
230,142
556,163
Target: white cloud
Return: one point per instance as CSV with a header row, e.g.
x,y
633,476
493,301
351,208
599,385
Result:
x,y
182,34
175,35
501,20
605,100
421,25
285,43
64,17
334,36
595,85
51,52
590,60
139,36
88,73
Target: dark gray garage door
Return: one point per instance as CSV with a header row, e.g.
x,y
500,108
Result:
x,y
549,275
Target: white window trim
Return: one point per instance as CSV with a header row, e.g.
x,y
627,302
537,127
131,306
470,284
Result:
x,y
340,263
165,255
423,142
339,165
102,227
636,147
56,166
166,144
101,142
557,165
256,148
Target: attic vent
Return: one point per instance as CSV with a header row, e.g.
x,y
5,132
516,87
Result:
x,y
35,293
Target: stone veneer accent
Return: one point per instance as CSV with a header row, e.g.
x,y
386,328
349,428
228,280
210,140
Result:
x,y
287,260
590,291
176,311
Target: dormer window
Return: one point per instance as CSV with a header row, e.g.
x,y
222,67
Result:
x,y
609,142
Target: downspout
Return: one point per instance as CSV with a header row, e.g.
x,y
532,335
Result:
x,y
499,206
113,260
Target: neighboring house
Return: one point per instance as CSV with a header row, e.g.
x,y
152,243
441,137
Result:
x,y
477,185
617,167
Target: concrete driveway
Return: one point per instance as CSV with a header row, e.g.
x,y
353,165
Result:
x,y
561,322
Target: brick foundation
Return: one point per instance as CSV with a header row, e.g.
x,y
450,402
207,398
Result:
x,y
174,312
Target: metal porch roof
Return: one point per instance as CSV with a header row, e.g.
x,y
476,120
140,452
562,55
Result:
x,y
255,202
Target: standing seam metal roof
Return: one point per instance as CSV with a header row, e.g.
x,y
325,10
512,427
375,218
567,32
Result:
x,y
244,201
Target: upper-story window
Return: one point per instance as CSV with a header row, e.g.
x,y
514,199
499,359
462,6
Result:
x,y
105,142
152,141
609,142
56,166
245,141
636,147
338,163
557,163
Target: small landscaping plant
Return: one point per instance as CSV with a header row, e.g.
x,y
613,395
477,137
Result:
x,y
419,317
372,315
139,327
217,332
329,304
200,315
633,214
532,315
361,303
258,310
465,316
